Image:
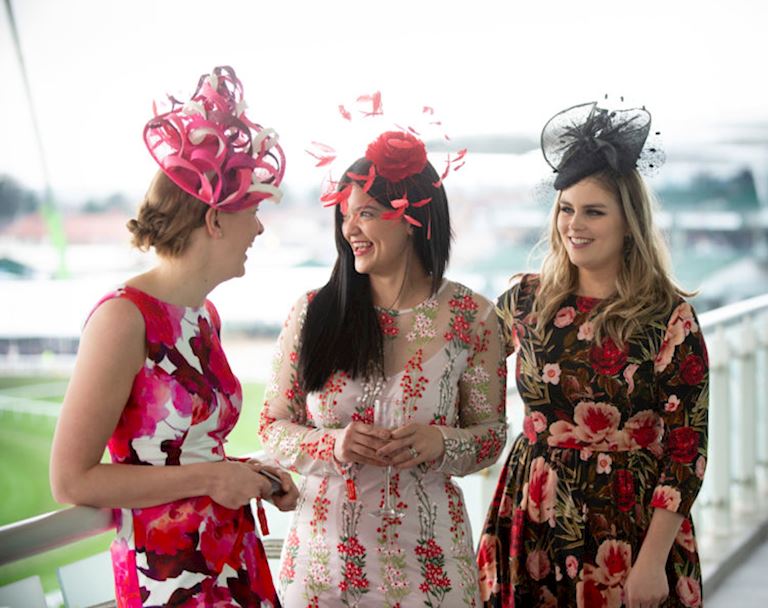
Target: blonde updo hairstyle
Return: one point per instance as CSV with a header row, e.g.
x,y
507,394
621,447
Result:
x,y
166,218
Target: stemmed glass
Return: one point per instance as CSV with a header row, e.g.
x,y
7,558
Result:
x,y
388,416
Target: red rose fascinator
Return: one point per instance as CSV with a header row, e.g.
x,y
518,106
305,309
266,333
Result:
x,y
395,156
211,150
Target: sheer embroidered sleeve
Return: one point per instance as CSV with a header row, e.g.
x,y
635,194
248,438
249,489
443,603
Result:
x,y
481,433
289,436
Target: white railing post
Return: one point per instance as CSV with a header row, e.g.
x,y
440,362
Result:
x,y
717,481
761,375
744,414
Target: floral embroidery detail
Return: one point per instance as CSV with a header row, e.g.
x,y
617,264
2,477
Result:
x,y
288,564
435,584
387,323
424,329
354,583
318,576
463,311
412,385
328,400
460,544
395,585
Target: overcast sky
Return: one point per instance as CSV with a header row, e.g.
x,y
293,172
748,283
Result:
x,y
486,66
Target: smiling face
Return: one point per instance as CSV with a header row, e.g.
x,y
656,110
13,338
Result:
x,y
380,247
239,228
592,228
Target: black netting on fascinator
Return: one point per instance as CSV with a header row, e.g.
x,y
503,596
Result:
x,y
585,139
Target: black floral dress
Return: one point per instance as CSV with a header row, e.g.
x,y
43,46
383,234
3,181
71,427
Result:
x,y
610,434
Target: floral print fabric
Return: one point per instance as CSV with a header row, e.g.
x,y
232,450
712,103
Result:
x,y
444,365
611,433
183,404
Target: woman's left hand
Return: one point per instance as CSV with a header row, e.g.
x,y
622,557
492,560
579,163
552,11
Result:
x,y
412,445
646,586
287,499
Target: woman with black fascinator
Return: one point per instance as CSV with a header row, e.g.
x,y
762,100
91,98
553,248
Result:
x,y
593,506
389,380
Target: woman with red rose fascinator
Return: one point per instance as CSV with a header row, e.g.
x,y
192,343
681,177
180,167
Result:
x,y
593,505
389,380
152,382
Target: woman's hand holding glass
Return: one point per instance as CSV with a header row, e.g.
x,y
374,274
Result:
x,y
359,443
413,444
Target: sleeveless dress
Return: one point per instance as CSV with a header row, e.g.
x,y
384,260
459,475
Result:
x,y
183,404
610,434
444,365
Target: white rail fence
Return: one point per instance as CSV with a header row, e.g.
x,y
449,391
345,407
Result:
x,y
731,514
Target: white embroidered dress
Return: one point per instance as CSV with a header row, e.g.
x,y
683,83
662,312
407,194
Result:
x,y
444,365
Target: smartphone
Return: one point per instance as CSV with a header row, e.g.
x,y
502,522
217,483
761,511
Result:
x,y
277,484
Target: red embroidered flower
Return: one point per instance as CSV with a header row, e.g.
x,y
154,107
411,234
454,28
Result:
x,y
397,155
683,444
607,359
387,324
692,369
624,490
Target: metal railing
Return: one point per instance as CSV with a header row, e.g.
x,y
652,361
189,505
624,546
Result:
x,y
732,509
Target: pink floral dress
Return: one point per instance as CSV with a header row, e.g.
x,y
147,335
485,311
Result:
x,y
183,404
444,365
611,433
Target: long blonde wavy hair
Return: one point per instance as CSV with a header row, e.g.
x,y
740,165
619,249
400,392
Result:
x,y
645,289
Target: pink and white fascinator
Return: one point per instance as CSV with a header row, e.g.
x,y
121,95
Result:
x,y
211,150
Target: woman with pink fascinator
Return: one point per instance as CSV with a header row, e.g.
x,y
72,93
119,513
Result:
x,y
152,382
389,380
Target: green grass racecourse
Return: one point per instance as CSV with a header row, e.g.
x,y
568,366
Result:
x,y
25,441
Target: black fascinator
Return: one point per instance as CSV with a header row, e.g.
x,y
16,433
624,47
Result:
x,y
585,139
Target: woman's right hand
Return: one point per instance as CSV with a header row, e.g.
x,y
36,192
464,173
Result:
x,y
359,443
234,483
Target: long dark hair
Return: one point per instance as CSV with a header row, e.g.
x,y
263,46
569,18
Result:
x,y
341,331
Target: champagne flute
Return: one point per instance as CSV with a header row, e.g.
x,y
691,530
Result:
x,y
388,415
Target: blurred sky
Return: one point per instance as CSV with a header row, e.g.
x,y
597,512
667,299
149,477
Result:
x,y
486,66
